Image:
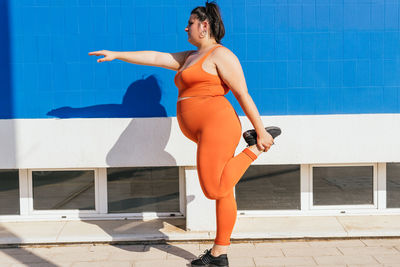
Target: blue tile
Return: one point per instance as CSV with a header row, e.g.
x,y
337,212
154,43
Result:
x,y
301,101
281,46
308,74
377,17
391,99
31,54
44,49
322,100
267,47
156,20
268,75
253,19
266,19
281,75
31,83
377,72
322,18
336,14
294,74
335,74
349,18
114,20
391,72
44,77
363,16
253,47
71,20
308,44
294,44
321,74
363,74
271,101
57,17
350,41
239,21
42,20
252,75
299,57
322,46
98,14
391,16
376,45
294,18
87,80
391,45
71,49
28,19
281,22
308,22
335,100
335,46
363,46
349,73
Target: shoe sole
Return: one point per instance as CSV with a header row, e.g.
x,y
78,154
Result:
x,y
250,136
209,265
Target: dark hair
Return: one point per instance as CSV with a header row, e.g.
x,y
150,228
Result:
x,y
212,14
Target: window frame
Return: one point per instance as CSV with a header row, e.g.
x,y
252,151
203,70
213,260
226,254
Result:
x,y
345,207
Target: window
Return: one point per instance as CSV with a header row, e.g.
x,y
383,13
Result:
x,y
143,189
9,192
269,187
342,185
393,185
60,190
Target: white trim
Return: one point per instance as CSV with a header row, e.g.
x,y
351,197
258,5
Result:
x,y
344,208
102,195
182,191
381,189
305,199
23,192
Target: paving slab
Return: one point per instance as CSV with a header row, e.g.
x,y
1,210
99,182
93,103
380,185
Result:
x,y
252,254
246,228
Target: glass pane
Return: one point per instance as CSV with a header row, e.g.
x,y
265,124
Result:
x,y
393,185
141,189
269,187
9,192
344,185
60,190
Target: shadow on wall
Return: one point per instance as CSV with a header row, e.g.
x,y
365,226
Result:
x,y
141,142
142,99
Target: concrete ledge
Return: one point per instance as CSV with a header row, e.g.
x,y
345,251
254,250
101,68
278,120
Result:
x,y
52,232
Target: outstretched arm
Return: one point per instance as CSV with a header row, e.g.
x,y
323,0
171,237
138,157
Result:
x,y
171,61
230,71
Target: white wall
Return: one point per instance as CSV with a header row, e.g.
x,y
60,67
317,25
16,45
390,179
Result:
x,y
68,143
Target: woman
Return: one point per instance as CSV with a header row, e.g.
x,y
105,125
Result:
x,y
207,118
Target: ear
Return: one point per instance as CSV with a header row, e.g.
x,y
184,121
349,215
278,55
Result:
x,y
204,24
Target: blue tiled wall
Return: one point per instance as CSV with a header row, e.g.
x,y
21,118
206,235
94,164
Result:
x,y
298,56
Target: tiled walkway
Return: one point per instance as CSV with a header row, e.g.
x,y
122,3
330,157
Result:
x,y
366,252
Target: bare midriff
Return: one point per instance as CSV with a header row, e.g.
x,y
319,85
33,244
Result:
x,y
181,98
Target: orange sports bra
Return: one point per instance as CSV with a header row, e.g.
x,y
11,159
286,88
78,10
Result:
x,y
194,81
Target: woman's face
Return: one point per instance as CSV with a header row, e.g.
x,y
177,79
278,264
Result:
x,y
193,29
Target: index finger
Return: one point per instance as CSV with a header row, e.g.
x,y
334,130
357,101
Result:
x,y
95,53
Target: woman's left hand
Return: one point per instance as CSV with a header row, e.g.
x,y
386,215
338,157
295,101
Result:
x,y
264,140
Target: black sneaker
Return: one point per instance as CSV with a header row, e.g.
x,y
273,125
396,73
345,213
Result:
x,y
250,136
209,260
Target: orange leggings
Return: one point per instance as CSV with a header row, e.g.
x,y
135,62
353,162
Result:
x,y
212,123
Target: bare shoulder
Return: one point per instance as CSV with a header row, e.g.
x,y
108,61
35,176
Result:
x,y
223,55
